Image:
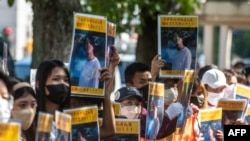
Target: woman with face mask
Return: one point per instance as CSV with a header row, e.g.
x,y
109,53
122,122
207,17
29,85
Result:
x,y
199,94
6,100
130,100
52,88
24,109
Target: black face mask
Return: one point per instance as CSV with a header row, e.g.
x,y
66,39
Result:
x,y
58,93
144,91
198,101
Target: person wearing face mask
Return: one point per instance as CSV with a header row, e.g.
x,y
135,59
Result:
x,y
170,96
138,75
215,83
198,94
24,109
130,100
52,88
6,100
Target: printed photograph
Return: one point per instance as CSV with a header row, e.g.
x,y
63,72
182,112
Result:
x,y
209,129
85,132
87,58
178,47
154,116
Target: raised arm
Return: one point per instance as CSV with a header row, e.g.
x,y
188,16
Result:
x,y
108,127
107,75
156,65
114,60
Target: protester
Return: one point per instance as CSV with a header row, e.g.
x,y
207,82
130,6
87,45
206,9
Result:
x,y
215,83
198,94
231,76
52,88
24,109
173,109
104,104
6,100
138,75
130,99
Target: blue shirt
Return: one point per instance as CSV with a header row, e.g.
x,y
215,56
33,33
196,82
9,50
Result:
x,y
182,59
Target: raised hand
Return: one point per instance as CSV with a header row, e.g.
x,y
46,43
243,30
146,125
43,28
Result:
x,y
156,65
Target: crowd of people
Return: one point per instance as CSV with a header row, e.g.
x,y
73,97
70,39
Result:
x,y
18,100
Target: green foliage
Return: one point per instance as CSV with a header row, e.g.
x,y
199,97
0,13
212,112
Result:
x,y
11,2
123,11
241,45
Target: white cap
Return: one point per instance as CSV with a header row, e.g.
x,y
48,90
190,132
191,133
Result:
x,y
214,78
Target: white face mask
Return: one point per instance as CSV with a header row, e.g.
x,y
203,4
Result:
x,y
229,91
26,117
5,109
213,98
170,95
131,112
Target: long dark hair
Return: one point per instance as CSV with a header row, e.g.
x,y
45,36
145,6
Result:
x,y
44,70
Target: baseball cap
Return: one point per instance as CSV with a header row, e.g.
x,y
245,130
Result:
x,y
214,78
126,92
205,68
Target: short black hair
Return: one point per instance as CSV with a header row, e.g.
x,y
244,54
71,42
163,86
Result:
x,y
133,68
